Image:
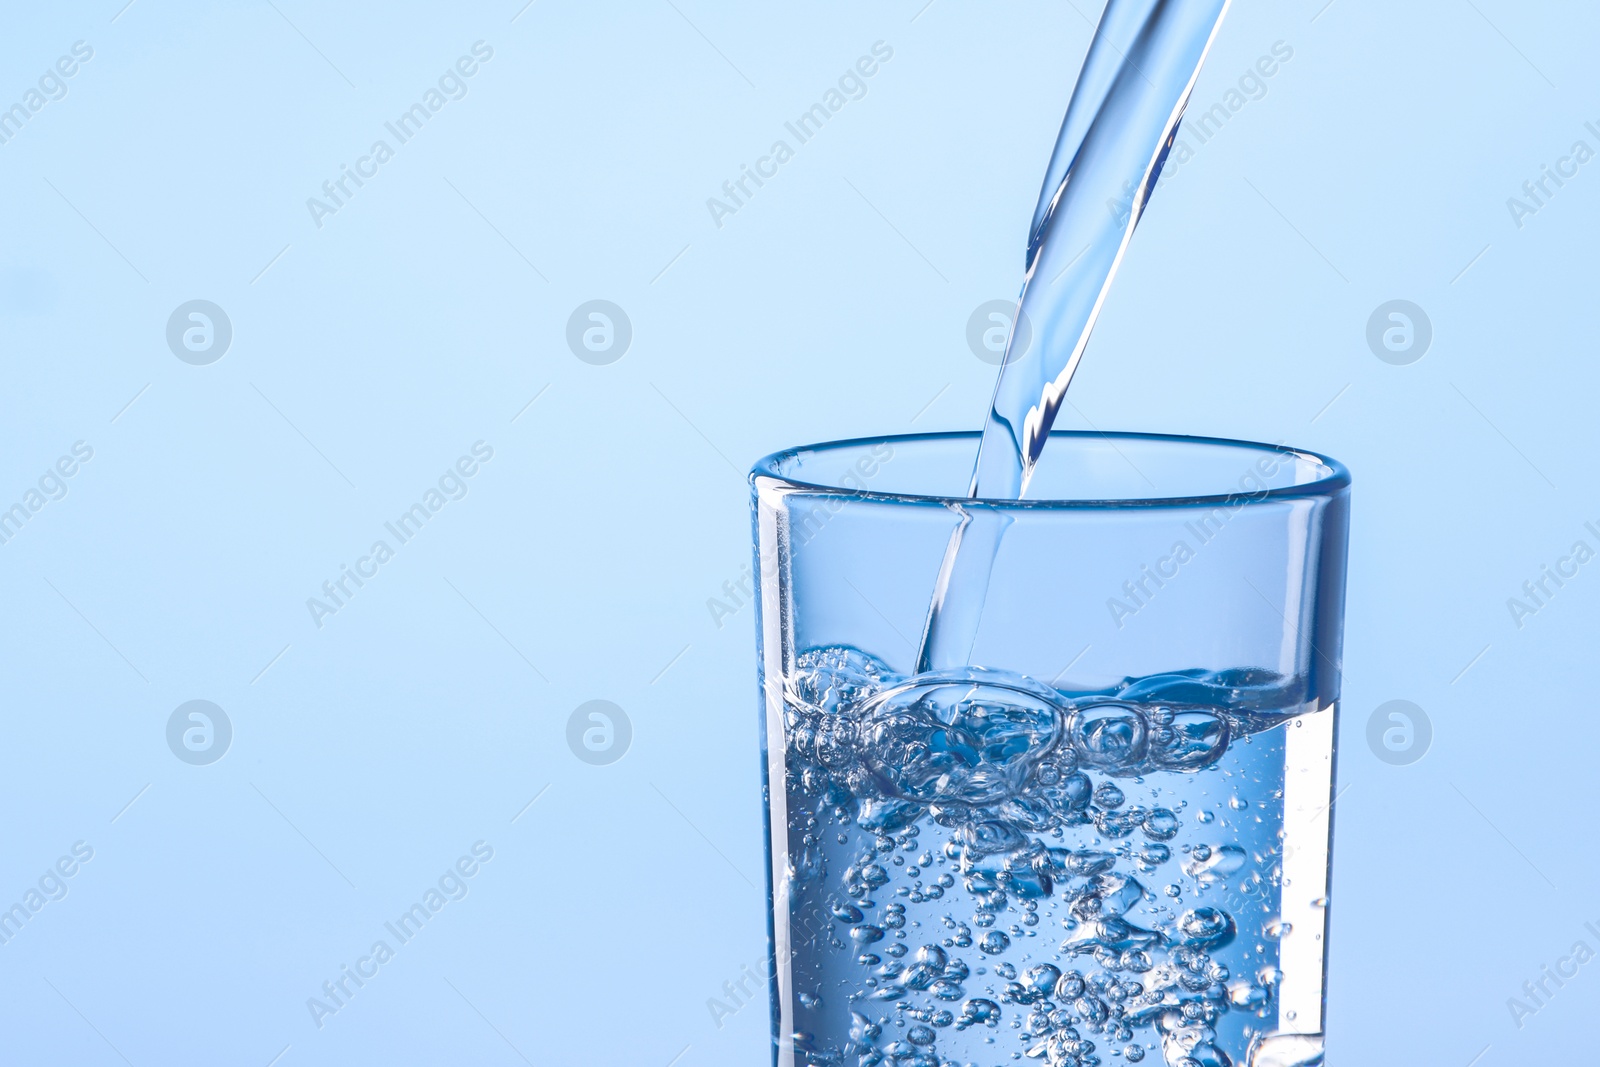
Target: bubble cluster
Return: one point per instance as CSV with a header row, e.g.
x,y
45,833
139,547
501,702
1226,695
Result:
x,y
941,826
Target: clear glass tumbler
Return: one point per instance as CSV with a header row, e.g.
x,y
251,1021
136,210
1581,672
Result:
x,y
1109,834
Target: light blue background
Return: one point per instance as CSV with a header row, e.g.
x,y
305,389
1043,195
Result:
x,y
425,315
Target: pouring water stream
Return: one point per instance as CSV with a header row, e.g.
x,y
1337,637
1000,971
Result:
x,y
1123,117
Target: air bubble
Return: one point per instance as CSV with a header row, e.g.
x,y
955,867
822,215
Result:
x,y
837,678
1107,795
993,943
1161,824
971,736
1206,928
1207,866
978,1011
1110,737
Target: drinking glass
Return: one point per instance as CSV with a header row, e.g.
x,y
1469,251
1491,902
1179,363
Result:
x,y
1108,833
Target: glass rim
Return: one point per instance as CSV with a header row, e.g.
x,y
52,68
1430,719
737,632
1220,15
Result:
x,y
765,473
